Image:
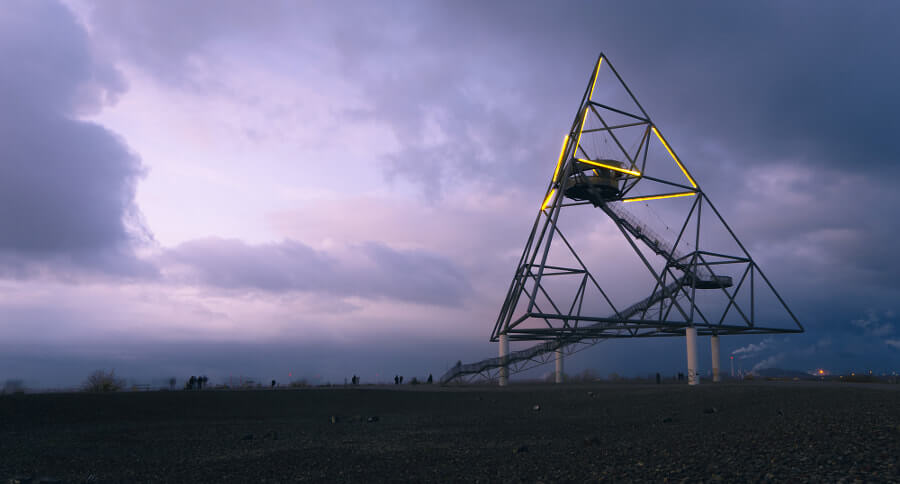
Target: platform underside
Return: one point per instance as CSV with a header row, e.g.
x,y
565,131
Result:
x,y
587,327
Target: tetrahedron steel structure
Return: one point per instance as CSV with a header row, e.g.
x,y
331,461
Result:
x,y
699,273
569,293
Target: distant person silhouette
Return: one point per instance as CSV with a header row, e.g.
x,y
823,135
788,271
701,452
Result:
x,y
658,378
191,382
401,379
430,379
273,384
396,379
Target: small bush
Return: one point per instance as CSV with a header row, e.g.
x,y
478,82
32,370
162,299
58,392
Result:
x,y
414,381
102,381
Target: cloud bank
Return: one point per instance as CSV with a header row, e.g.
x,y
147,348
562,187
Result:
x,y
67,186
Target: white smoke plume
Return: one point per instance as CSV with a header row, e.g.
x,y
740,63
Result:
x,y
752,349
769,362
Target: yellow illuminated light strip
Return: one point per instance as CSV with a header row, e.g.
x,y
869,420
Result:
x,y
610,167
657,197
547,200
580,130
596,73
562,153
586,108
683,170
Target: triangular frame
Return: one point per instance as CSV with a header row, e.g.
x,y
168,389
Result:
x,y
672,305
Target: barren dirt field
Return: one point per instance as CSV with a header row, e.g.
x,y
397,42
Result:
x,y
749,432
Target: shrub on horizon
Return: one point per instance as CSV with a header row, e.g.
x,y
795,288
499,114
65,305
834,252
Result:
x,y
102,381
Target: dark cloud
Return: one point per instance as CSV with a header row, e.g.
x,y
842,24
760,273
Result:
x,y
233,264
174,41
66,186
370,270
407,64
502,80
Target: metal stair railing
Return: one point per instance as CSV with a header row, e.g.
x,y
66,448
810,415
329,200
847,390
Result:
x,y
654,241
533,352
651,239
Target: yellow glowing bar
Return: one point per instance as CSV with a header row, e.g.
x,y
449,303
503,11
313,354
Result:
x,y
547,200
596,73
580,130
674,157
562,153
658,197
610,167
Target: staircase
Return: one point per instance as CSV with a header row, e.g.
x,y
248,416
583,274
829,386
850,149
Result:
x,y
651,239
534,352
658,245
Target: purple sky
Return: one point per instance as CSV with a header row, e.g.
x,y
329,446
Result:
x,y
334,188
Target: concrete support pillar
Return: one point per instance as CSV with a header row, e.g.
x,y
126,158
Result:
x,y
504,354
714,349
559,365
691,336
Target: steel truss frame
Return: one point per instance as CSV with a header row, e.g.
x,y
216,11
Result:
x,y
692,266
675,290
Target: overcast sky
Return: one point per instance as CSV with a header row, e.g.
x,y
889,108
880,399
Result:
x,y
317,189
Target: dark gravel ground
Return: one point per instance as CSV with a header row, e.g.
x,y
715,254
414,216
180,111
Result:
x,y
750,432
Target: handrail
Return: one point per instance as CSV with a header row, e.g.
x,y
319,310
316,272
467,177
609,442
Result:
x,y
535,351
640,231
654,241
